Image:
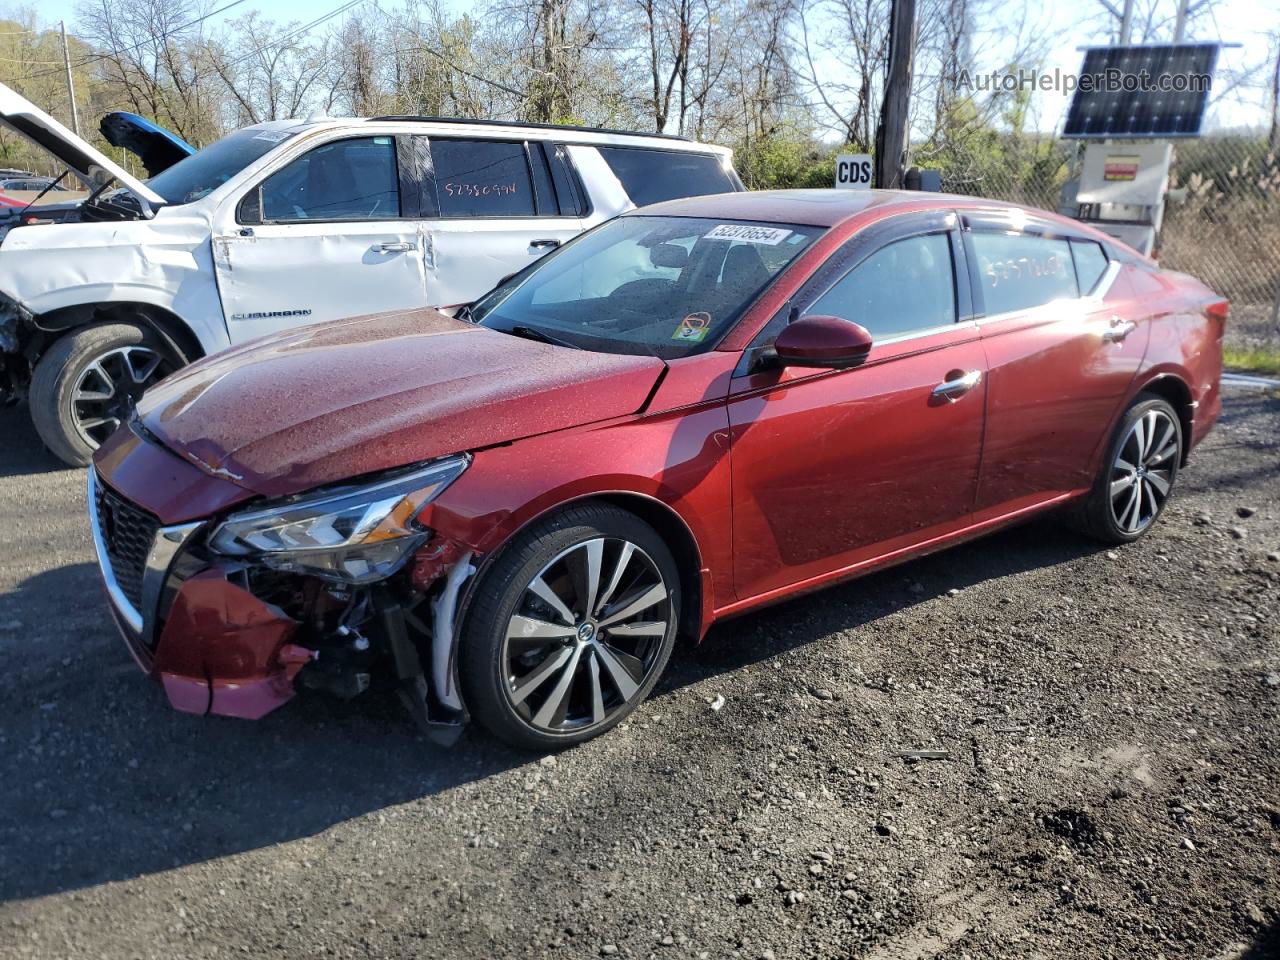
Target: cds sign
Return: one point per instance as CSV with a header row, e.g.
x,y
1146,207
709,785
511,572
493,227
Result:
x,y
853,171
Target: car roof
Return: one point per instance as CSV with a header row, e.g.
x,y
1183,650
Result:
x,y
500,129
822,208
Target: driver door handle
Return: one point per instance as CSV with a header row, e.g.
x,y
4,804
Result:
x,y
395,246
1120,328
543,244
957,387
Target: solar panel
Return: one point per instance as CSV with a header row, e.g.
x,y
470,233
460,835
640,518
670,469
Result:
x,y
1144,91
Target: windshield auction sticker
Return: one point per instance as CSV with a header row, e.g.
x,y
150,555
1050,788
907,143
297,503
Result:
x,y
745,233
693,328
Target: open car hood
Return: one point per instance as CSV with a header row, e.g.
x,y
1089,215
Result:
x,y
90,165
323,404
156,147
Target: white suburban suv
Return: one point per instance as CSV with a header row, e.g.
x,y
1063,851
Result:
x,y
287,223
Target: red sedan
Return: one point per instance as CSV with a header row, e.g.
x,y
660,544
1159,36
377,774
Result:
x,y
693,410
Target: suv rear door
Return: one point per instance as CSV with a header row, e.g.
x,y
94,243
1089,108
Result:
x,y
490,208
330,234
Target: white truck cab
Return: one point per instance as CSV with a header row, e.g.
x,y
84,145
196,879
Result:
x,y
287,223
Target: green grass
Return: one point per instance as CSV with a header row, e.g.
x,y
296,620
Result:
x,y
1261,360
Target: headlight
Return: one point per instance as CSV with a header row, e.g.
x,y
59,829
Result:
x,y
354,534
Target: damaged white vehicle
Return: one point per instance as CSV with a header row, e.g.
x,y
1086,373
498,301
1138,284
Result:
x,y
292,222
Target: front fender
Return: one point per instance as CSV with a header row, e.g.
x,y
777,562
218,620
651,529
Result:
x,y
680,461
166,264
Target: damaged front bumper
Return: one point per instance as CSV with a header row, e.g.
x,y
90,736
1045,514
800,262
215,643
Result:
x,y
15,365
223,637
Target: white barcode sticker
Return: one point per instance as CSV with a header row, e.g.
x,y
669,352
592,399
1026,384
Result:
x,y
746,233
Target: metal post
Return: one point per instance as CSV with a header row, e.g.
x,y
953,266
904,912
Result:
x,y
1126,23
71,83
1180,27
893,133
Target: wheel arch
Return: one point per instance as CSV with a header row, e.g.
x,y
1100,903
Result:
x,y
164,322
1173,388
662,517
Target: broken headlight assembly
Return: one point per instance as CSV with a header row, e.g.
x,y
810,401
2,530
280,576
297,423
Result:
x,y
353,534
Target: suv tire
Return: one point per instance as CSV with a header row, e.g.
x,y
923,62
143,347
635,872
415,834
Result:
x,y
85,384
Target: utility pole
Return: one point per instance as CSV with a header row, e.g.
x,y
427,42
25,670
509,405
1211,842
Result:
x,y
895,123
1126,23
71,83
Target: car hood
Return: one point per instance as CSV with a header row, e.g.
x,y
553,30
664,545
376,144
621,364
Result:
x,y
325,403
89,164
156,147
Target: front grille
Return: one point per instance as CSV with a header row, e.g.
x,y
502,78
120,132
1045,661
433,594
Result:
x,y
127,533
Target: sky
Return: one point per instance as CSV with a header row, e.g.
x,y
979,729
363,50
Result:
x,y
1251,23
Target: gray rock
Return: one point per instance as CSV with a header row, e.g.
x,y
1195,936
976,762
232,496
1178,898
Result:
x,y
1245,512
1271,680
1238,533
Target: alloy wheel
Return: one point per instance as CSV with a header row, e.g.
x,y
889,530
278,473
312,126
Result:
x,y
110,386
1143,471
585,635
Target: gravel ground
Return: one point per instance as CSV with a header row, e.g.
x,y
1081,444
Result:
x,y
1107,784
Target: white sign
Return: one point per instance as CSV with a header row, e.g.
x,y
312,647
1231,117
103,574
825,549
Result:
x,y
853,171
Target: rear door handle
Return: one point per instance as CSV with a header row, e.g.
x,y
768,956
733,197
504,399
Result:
x,y
957,386
1120,328
543,244
395,246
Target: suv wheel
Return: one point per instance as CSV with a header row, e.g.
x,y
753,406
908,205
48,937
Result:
x,y
571,628
86,384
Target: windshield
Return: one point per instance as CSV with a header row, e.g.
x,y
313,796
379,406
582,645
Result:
x,y
203,172
662,286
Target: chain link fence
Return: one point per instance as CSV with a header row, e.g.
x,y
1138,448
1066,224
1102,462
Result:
x,y
1221,222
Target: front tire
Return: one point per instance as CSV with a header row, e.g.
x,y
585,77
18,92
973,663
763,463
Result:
x,y
84,386
1137,474
571,628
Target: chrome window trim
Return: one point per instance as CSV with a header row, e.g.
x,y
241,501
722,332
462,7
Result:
x,y
926,332
168,541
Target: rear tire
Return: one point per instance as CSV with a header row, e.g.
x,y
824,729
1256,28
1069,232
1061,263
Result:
x,y
1137,474
560,644
84,386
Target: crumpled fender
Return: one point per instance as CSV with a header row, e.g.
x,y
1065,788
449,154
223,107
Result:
x,y
224,651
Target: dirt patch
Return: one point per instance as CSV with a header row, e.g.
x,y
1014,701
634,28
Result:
x,y
1101,778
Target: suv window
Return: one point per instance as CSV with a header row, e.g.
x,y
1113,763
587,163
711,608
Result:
x,y
905,286
651,176
482,178
1020,271
346,180
1091,263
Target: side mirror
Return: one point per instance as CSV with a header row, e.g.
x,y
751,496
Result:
x,y
817,341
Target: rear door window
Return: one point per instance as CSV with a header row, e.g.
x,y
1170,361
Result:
x,y
1091,263
1021,271
652,176
482,178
